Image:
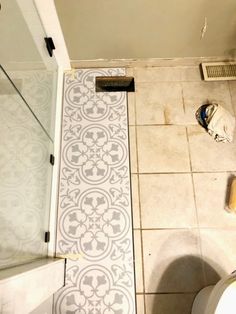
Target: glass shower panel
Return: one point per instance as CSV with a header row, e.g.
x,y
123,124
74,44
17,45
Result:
x,y
26,60
38,87
25,176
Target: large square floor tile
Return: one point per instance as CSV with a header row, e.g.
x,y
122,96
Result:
x,y
208,155
167,74
157,74
159,103
162,149
219,253
169,303
167,201
172,261
211,190
199,93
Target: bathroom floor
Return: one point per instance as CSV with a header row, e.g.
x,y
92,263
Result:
x,y
184,237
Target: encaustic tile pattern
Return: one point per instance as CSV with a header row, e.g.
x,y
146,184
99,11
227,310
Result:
x,y
94,216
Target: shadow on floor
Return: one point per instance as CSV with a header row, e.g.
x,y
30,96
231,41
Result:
x,y
180,283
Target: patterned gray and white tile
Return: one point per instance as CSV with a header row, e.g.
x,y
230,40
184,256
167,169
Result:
x,y
25,175
94,215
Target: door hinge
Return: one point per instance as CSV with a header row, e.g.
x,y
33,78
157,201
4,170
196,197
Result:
x,y
52,159
50,45
47,237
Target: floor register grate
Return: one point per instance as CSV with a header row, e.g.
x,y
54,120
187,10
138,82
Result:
x,y
219,71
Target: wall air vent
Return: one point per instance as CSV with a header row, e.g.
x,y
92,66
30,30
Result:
x,y
219,71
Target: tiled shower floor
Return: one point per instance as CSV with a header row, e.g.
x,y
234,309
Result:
x,y
94,215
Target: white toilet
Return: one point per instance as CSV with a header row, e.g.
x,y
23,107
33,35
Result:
x,y
218,299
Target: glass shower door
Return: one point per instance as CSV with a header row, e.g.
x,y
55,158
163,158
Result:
x,y
24,57
25,179
28,78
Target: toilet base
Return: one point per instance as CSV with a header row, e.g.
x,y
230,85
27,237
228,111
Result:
x,y
201,300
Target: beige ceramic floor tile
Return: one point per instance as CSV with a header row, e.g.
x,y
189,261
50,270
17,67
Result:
x,y
171,261
167,201
218,249
211,190
232,88
157,74
159,103
135,201
217,91
131,108
169,303
199,93
167,74
191,74
208,155
129,71
133,150
138,261
140,303
162,149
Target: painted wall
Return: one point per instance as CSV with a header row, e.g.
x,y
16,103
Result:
x,y
147,28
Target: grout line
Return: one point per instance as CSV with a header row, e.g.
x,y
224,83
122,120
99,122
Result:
x,y
182,93
166,81
168,124
136,152
186,172
196,211
189,152
139,202
191,168
166,293
166,228
132,212
186,228
53,302
139,233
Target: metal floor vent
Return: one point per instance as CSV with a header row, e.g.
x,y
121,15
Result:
x,y
115,84
219,71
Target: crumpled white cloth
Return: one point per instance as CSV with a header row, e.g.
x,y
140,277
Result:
x,y
220,123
